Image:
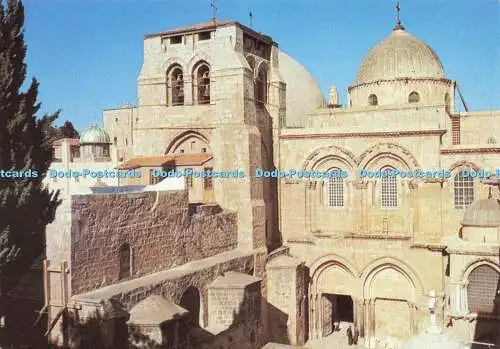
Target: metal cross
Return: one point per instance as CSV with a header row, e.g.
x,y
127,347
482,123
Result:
x,y
214,9
398,9
250,14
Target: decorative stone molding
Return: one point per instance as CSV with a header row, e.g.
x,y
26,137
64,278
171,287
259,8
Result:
x,y
334,152
387,148
462,164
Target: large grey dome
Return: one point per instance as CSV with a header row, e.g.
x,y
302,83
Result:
x,y
400,56
483,213
94,135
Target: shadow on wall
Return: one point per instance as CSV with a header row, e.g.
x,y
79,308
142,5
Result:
x,y
273,235
110,331
19,310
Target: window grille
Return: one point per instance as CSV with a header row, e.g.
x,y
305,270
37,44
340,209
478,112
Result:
x,y
335,190
463,190
482,291
389,190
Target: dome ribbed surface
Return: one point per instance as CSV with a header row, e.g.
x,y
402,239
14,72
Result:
x,y
400,56
483,213
95,135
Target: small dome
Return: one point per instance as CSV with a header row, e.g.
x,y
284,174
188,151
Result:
x,y
483,213
430,339
155,310
400,56
94,135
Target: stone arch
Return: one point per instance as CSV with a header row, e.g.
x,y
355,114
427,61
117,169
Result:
x,y
388,266
261,85
380,153
201,74
262,65
482,278
463,164
196,59
251,61
347,274
191,300
183,137
172,61
332,154
477,263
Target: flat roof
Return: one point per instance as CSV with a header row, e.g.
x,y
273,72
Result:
x,y
211,25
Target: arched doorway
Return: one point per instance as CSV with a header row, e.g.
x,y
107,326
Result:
x,y
390,289
333,297
191,301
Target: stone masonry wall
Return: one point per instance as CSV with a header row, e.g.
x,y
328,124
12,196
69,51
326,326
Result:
x,y
161,229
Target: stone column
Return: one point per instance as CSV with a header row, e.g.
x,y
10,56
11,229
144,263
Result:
x,y
317,315
361,317
372,324
188,90
413,319
362,201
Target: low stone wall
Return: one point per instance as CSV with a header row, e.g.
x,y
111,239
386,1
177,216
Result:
x,y
161,228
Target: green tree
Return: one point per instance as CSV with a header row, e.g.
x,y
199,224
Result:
x,y
26,205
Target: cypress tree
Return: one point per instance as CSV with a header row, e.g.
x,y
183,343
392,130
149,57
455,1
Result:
x,y
26,205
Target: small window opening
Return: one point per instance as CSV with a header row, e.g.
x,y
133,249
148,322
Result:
x,y
204,36
176,40
372,100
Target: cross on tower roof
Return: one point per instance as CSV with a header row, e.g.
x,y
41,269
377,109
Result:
x,y
398,18
214,9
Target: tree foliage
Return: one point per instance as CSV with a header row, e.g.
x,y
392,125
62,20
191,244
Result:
x,y
26,205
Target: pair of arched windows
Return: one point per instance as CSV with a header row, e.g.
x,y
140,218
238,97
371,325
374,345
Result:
x,y
413,97
463,185
201,84
388,189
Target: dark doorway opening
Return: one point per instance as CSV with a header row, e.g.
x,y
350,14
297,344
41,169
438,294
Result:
x,y
345,308
191,301
338,312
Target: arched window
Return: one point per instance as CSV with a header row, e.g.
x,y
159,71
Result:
x,y
447,102
413,97
115,141
176,85
335,189
261,86
201,87
482,290
463,189
388,188
372,100
125,261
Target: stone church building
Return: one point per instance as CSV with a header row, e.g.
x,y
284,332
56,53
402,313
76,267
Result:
x,y
243,261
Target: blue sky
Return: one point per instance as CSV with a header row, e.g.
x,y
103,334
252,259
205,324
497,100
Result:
x,y
87,53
